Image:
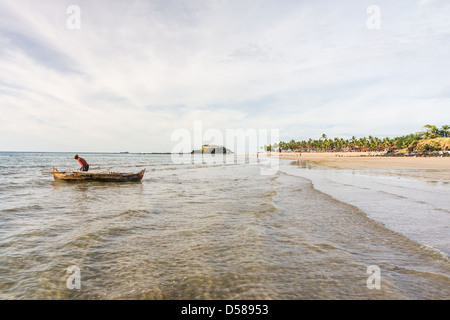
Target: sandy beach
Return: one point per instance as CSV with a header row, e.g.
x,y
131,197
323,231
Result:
x,y
432,168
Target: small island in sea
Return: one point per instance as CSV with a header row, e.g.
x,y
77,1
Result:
x,y
212,149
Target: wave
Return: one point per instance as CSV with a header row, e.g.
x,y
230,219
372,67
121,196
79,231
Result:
x,y
391,216
434,251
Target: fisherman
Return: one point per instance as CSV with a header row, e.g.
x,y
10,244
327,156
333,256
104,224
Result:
x,y
84,164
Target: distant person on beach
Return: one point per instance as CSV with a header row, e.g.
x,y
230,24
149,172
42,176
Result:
x,y
84,164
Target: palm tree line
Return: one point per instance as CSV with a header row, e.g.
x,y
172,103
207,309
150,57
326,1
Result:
x,y
324,144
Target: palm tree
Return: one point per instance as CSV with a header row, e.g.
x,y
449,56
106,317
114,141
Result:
x,y
446,131
361,143
387,143
375,143
327,144
431,131
275,147
292,145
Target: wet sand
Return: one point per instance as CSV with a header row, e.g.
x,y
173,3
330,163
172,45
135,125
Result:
x,y
432,168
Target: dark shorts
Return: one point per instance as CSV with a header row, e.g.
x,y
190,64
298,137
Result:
x,y
86,168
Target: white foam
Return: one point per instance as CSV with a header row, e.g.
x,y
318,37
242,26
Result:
x,y
415,208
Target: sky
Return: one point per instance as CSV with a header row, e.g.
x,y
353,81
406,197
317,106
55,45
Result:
x,y
126,75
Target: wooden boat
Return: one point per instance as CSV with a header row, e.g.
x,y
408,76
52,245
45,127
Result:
x,y
98,176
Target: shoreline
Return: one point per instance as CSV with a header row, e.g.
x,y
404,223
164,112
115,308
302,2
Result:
x,y
431,168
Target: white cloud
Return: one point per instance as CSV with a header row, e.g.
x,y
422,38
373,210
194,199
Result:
x,y
138,70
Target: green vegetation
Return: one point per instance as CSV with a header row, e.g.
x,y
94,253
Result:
x,y
212,149
420,141
431,146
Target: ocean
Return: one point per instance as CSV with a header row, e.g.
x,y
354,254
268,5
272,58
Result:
x,y
211,230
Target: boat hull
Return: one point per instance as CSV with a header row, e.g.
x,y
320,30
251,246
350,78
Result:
x,y
98,176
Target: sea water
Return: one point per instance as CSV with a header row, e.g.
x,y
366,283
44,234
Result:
x,y
211,230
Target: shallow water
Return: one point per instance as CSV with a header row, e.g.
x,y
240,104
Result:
x,y
200,230
417,208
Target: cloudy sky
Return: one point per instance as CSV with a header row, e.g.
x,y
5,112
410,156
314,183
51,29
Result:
x,y
136,71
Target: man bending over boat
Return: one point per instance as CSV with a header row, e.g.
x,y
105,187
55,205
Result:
x,y
84,164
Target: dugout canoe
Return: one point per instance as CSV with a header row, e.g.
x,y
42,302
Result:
x,y
98,176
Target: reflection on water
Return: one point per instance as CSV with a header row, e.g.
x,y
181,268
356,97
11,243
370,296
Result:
x,y
197,232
